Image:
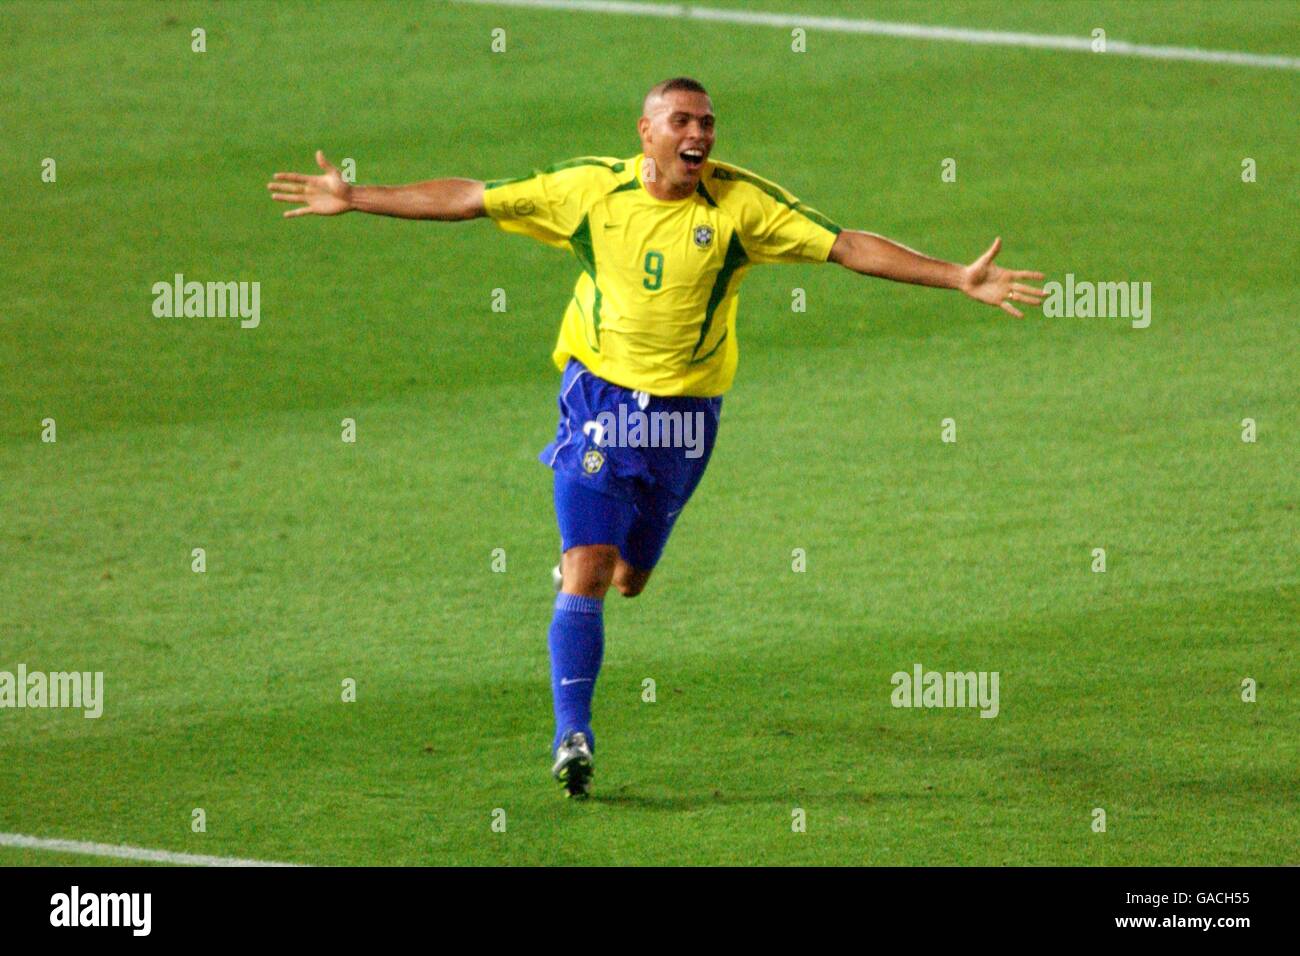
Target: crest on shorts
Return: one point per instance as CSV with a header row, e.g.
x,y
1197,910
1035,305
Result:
x,y
703,236
592,462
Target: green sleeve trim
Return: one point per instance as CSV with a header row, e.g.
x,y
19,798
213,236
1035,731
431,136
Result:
x,y
555,168
494,183
630,186
584,161
817,217
771,189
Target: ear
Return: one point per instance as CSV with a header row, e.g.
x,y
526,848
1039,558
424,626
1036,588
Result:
x,y
643,127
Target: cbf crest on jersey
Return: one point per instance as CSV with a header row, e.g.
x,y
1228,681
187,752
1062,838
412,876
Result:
x,y
703,236
592,461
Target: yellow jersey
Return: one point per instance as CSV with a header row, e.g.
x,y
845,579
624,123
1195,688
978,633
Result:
x,y
654,308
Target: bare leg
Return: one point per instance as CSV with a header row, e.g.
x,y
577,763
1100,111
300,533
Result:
x,y
630,581
588,569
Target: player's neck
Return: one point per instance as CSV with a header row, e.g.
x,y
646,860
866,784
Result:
x,y
667,191
660,187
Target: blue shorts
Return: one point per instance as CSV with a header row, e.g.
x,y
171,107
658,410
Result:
x,y
626,463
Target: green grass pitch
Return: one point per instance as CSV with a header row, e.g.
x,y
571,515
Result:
x,y
372,561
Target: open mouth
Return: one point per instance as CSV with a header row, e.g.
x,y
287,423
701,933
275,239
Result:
x,y
692,158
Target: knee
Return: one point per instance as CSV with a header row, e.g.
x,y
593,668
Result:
x,y
589,570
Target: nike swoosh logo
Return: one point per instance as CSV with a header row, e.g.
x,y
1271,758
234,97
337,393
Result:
x,y
612,225
565,681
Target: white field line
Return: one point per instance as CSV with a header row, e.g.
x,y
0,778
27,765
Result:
x,y
126,852
911,31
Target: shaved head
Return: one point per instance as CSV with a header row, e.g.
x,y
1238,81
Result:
x,y
654,100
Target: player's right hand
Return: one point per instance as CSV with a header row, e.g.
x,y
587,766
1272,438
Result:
x,y
326,195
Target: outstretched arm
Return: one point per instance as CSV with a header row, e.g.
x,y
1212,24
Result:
x,y
873,255
449,200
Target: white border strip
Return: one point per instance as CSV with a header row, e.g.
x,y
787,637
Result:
x,y
911,31
21,841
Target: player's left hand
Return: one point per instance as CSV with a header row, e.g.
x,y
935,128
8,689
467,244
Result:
x,y
326,195
993,285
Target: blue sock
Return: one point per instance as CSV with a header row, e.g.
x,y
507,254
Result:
x,y
577,641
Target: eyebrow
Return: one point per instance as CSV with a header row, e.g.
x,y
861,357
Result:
x,y
688,113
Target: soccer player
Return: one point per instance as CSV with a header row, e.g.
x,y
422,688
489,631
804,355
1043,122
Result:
x,y
663,239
